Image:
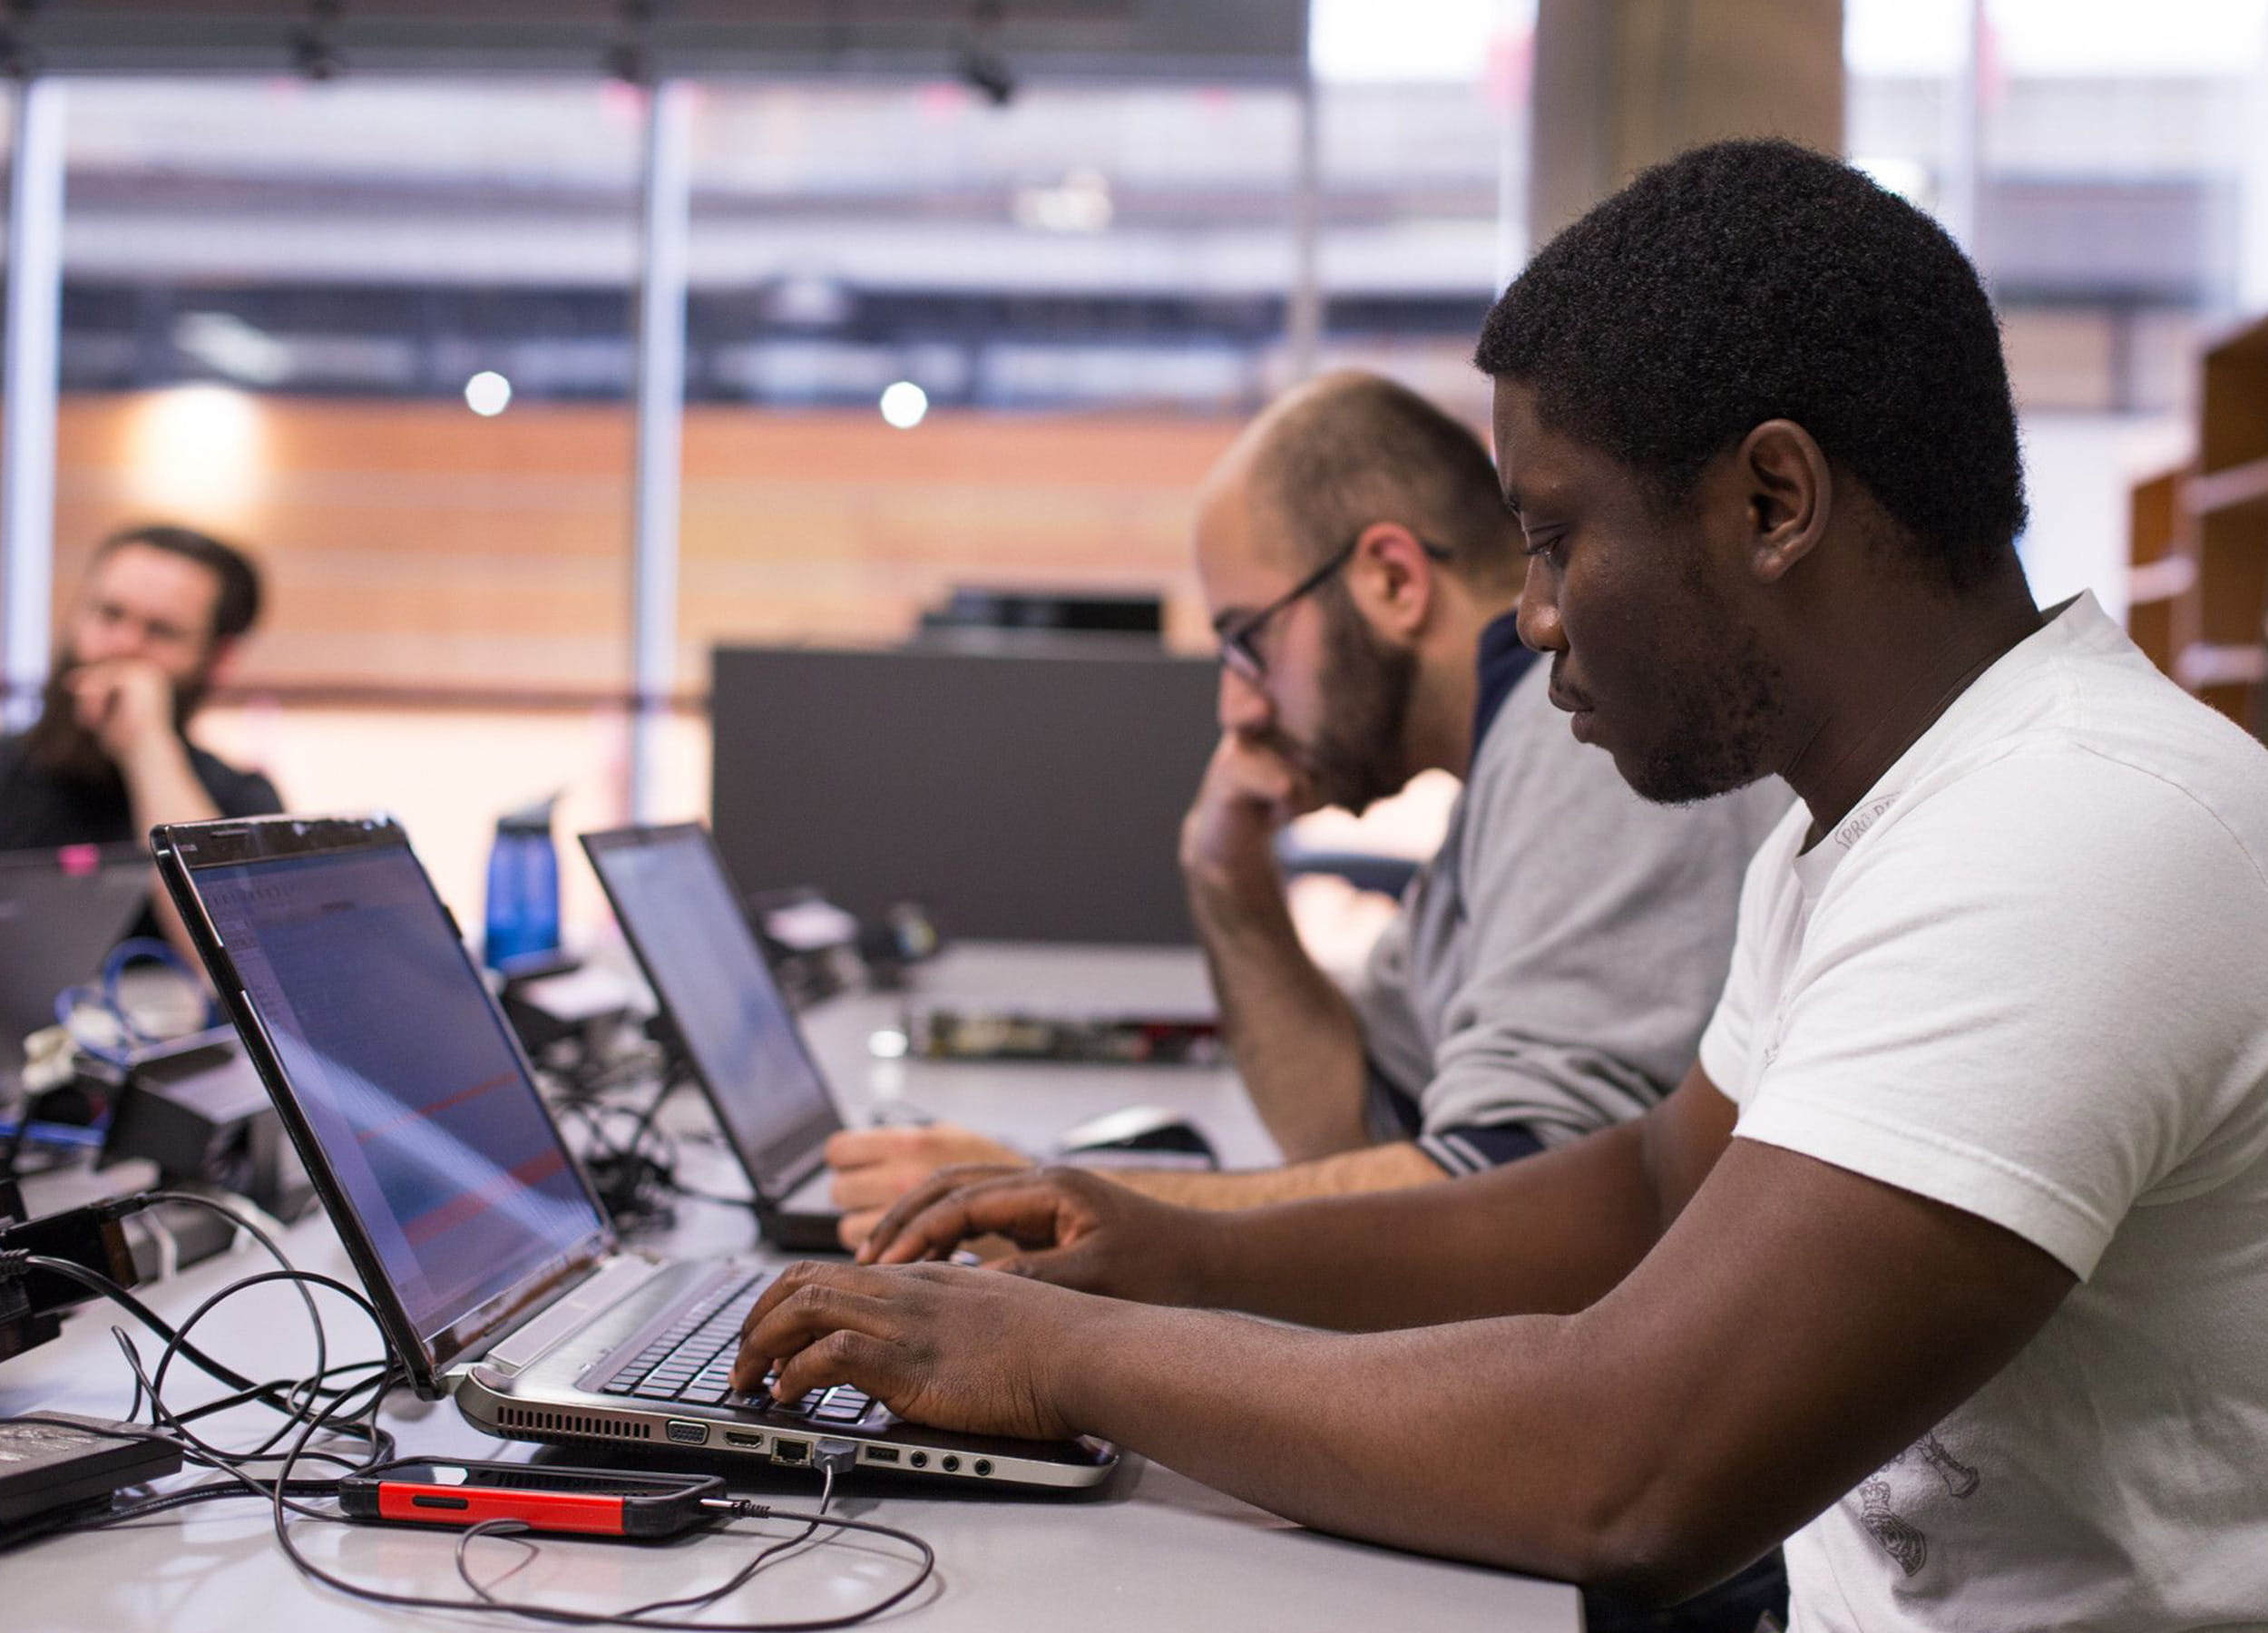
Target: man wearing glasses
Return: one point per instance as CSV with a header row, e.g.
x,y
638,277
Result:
x,y
1552,968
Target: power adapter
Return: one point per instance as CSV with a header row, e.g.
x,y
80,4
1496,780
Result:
x,y
59,1461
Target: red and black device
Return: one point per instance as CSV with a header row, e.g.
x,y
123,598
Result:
x,y
583,1503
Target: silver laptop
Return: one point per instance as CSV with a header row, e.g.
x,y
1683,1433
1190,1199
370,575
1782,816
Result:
x,y
478,1239
60,912
683,919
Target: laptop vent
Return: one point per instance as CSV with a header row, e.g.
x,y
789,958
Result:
x,y
571,1422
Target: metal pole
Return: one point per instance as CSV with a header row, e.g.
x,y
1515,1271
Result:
x,y
27,398
668,214
1303,316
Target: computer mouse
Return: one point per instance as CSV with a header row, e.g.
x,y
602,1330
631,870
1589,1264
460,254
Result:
x,y
1137,1129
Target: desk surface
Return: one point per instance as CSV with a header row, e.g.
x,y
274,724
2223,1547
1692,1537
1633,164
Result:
x,y
1149,1548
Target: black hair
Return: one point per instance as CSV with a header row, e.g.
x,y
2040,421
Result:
x,y
238,606
1753,280
1349,449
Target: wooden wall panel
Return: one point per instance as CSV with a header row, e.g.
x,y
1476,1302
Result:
x,y
415,544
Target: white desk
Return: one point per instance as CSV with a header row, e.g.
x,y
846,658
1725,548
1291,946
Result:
x,y
1149,1550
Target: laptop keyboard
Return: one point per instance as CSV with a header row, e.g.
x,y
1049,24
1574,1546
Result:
x,y
691,1362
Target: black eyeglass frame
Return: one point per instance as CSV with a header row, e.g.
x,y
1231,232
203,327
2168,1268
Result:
x,y
1239,650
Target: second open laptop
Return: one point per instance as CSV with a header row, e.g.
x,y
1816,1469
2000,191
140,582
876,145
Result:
x,y
61,911
497,1275
685,923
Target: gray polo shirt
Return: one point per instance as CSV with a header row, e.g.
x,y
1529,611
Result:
x,y
1553,966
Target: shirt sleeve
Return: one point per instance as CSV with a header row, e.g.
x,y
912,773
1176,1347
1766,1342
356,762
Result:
x,y
1599,929
2035,995
241,793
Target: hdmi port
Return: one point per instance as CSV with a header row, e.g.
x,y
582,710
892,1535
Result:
x,y
754,1443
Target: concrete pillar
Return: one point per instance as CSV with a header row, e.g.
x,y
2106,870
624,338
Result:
x,y
1621,84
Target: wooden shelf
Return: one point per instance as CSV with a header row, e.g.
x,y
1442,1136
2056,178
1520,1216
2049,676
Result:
x,y
2203,663
2197,574
2149,583
2218,492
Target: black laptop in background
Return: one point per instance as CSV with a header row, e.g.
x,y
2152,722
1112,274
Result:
x,y
496,1272
685,923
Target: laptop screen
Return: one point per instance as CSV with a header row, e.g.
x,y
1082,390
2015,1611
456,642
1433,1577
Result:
x,y
403,1071
60,912
684,921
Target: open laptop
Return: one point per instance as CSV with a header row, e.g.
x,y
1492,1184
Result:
x,y
478,1239
60,912
683,919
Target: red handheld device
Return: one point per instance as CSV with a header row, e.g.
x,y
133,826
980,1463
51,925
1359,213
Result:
x,y
584,1502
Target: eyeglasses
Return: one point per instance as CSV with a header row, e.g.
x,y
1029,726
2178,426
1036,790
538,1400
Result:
x,y
1239,637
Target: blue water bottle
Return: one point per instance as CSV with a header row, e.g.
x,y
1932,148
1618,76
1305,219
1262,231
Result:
x,y
522,886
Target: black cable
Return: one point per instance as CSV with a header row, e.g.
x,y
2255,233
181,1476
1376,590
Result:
x,y
96,1282
719,1198
293,1398
345,1411
146,1199
305,1279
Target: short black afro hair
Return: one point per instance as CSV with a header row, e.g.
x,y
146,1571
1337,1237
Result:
x,y
1755,280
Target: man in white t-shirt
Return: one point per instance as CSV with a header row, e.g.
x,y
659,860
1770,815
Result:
x,y
1947,1263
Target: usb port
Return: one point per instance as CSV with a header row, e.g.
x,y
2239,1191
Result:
x,y
733,1437
881,1454
790,1451
687,1434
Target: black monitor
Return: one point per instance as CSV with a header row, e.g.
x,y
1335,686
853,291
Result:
x,y
1026,796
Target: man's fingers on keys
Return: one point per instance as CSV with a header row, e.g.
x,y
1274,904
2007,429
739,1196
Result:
x,y
784,1286
1021,1207
793,1314
843,1357
918,1201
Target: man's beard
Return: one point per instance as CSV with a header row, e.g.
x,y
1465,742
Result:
x,y
65,750
1359,753
1720,733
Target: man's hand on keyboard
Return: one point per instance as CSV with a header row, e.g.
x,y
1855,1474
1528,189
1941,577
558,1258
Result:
x,y
1069,1226
940,1345
874,1167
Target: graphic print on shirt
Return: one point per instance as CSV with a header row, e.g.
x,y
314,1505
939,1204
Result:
x,y
1853,827
1900,1540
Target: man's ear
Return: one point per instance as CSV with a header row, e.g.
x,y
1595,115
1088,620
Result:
x,y
1393,580
1788,494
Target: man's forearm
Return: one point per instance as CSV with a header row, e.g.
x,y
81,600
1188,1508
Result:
x,y
1552,1232
1294,1036
162,787
1462,1440
1373,1168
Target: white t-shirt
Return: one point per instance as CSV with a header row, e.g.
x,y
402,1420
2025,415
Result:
x,y
2027,977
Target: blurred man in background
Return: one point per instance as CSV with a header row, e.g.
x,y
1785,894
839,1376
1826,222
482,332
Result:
x,y
157,619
